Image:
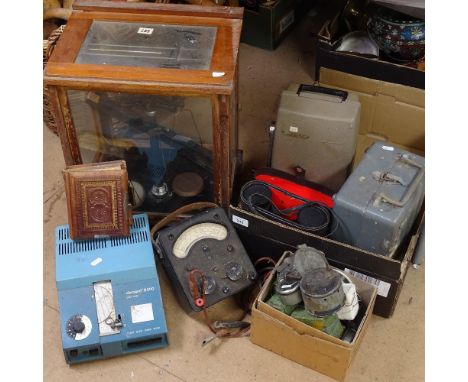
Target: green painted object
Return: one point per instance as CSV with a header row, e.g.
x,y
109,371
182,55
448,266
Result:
x,y
330,324
275,302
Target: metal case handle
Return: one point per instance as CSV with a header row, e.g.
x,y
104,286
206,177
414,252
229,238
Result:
x,y
409,191
320,89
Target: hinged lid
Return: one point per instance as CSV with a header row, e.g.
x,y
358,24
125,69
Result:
x,y
137,46
150,45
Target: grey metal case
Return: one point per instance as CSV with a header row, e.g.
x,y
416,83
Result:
x,y
379,202
316,130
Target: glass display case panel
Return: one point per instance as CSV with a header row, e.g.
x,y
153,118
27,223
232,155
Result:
x,y
166,141
148,45
233,132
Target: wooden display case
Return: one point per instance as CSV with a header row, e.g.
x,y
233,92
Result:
x,y
157,86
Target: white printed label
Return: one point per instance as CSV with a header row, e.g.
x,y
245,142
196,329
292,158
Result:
x,y
286,21
382,287
388,148
217,74
293,129
239,220
96,261
143,30
142,313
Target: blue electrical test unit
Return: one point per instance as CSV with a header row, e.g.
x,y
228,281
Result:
x,y
109,295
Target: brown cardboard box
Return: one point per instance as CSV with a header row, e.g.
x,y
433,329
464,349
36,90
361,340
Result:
x,y
302,343
332,29
390,112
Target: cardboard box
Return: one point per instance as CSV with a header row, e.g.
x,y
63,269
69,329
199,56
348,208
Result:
x,y
267,26
383,70
301,343
390,112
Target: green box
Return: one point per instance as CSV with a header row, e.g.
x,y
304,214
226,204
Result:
x,y
267,27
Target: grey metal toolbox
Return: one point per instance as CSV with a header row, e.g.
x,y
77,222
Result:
x,y
378,203
316,130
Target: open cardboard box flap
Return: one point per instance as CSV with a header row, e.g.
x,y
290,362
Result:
x,y
413,97
389,112
312,352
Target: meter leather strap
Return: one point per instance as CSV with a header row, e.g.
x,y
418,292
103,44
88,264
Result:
x,y
219,329
174,215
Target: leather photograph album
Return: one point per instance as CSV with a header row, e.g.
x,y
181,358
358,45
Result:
x,y
97,200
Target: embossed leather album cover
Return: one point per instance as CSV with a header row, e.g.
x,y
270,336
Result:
x,y
97,200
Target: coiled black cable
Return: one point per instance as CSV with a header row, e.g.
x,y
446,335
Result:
x,y
322,211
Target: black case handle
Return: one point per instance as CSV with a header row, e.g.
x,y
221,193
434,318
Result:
x,y
320,89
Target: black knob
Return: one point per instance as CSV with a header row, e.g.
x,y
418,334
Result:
x,y
77,325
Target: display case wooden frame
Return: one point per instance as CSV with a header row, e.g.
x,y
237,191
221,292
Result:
x,y
219,82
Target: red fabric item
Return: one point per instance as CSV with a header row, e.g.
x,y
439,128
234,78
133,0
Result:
x,y
283,201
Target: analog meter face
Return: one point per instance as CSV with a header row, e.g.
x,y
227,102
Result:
x,y
195,233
